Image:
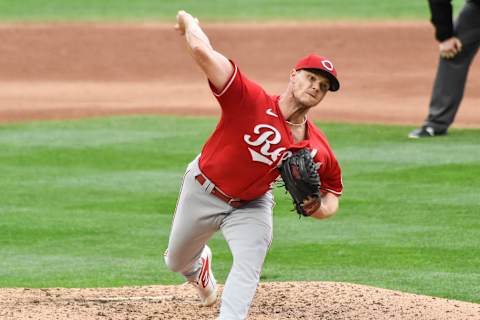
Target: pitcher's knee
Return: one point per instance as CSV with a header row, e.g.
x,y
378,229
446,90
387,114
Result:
x,y
174,264
250,260
256,247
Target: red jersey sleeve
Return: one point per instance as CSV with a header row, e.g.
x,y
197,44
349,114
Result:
x,y
328,166
239,94
331,177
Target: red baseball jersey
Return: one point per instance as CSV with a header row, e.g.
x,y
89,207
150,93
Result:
x,y
241,157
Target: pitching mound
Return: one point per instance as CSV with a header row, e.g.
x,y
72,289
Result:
x,y
286,300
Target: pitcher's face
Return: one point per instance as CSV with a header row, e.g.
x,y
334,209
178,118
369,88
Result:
x,y
309,88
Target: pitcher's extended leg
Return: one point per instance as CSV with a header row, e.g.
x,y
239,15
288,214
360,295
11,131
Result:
x,y
248,232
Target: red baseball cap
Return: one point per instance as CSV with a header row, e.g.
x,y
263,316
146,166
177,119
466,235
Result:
x,y
321,64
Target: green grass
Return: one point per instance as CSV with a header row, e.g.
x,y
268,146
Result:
x,y
212,10
89,203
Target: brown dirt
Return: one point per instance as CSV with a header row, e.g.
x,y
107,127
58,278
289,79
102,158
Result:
x,y
298,300
58,71
73,71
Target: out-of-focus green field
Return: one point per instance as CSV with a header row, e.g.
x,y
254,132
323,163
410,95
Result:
x,y
89,203
213,10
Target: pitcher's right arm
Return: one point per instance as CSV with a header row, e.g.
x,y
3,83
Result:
x,y
216,66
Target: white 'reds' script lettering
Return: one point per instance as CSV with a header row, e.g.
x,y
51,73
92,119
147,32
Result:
x,y
269,136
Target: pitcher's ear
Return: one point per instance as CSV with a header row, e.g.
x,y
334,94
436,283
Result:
x,y
293,74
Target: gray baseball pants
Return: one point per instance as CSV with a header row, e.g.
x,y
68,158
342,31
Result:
x,y
452,74
247,230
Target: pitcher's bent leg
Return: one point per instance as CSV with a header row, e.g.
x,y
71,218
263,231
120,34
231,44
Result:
x,y
248,232
197,217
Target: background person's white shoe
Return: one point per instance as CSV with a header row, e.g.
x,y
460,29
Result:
x,y
206,284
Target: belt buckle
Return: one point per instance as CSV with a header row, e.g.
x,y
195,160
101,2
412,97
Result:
x,y
232,200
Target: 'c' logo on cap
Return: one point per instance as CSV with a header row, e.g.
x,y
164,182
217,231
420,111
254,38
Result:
x,y
327,64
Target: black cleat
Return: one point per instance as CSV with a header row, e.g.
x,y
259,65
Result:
x,y
425,132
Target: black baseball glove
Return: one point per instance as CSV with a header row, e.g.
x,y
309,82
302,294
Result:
x,y
302,181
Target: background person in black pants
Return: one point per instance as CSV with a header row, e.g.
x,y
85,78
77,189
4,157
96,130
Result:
x,y
459,43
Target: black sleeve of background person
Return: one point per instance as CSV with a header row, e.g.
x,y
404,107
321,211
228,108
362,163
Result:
x,y
442,19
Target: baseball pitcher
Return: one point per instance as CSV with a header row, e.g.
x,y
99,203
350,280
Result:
x,y
227,187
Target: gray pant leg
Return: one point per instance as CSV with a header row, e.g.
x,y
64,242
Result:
x,y
248,231
197,217
452,74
